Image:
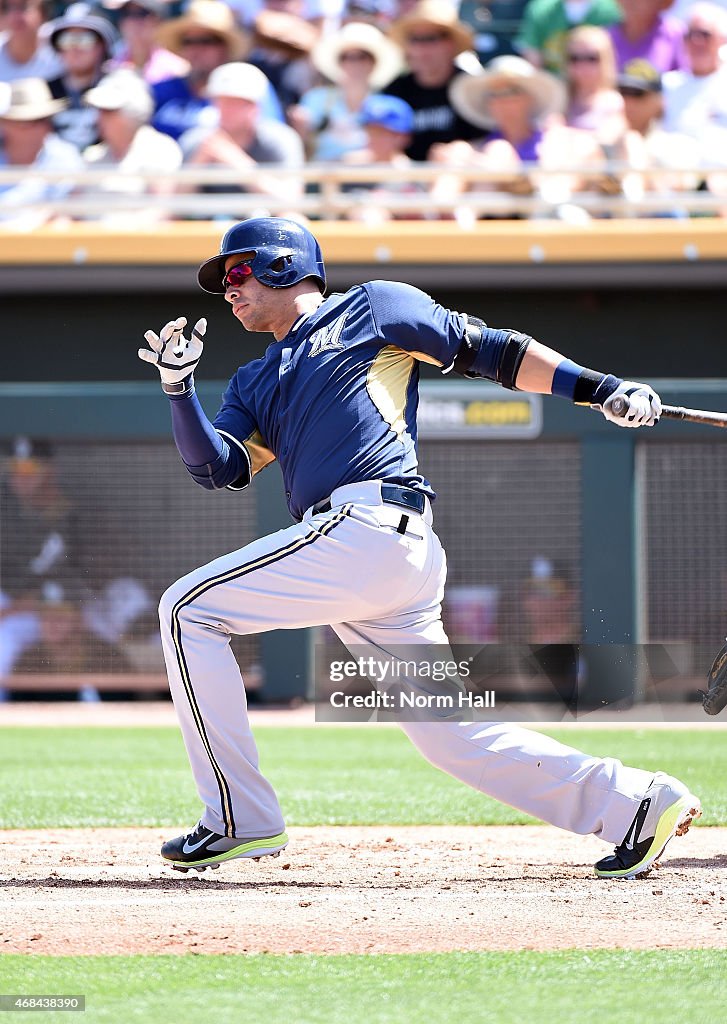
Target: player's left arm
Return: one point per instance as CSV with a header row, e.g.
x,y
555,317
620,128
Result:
x,y
544,371
519,362
463,344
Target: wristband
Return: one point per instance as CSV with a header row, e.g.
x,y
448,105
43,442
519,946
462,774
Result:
x,y
181,389
581,385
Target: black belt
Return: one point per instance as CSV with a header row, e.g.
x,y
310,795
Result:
x,y
392,494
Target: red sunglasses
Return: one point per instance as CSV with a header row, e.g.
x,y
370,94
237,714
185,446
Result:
x,y
237,275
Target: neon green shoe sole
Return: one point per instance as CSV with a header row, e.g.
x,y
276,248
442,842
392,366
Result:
x,y
637,861
181,854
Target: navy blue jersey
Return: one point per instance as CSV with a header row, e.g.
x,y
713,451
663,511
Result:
x,y
335,401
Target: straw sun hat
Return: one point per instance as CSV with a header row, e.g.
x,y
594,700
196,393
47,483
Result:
x,y
30,99
439,14
470,94
358,35
211,16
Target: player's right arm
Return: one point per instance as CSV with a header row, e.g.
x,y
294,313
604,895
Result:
x,y
212,460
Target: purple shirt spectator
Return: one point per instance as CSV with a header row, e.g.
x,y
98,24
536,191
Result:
x,y
662,46
527,149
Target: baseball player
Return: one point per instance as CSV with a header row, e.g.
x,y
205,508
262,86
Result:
x,y
334,400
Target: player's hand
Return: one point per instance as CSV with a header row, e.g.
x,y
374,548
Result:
x,y
638,405
174,355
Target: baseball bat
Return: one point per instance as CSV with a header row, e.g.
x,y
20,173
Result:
x,y
678,412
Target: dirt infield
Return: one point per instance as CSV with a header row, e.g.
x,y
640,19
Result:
x,y
356,890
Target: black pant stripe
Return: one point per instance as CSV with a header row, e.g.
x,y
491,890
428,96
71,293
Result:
x,y
176,631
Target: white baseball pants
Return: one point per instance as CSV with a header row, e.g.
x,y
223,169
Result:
x,y
350,568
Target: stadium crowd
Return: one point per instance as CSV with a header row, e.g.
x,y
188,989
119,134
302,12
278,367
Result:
x,y
555,99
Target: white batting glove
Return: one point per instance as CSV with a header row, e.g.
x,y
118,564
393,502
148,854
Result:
x,y
632,405
174,355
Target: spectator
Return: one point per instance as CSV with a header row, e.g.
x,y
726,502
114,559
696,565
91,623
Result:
x,y
648,33
549,602
374,12
206,36
41,554
546,24
640,86
594,103
695,99
139,22
359,59
28,141
129,144
319,13
432,38
61,607
22,52
388,123
85,40
243,139
680,8
281,47
521,107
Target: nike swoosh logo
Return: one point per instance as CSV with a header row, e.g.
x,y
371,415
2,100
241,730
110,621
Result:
x,y
191,849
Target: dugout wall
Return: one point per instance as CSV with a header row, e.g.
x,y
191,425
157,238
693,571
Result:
x,y
559,529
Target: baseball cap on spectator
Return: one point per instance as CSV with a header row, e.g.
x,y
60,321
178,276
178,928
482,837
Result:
x,y
158,7
639,76
81,15
30,99
387,112
242,81
359,35
123,90
211,16
433,14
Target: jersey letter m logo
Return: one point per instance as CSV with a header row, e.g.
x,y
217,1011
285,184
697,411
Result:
x,y
328,338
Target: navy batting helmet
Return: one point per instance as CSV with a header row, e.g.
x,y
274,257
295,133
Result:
x,y
285,252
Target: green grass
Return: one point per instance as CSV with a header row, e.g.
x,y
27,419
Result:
x,y
569,987
82,777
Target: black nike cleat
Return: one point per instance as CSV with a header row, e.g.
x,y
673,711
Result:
x,y
667,810
202,849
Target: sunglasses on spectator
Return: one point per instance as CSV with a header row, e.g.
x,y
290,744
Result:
x,y
430,37
506,92
237,275
357,55
584,58
135,13
203,41
630,93
698,33
71,39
